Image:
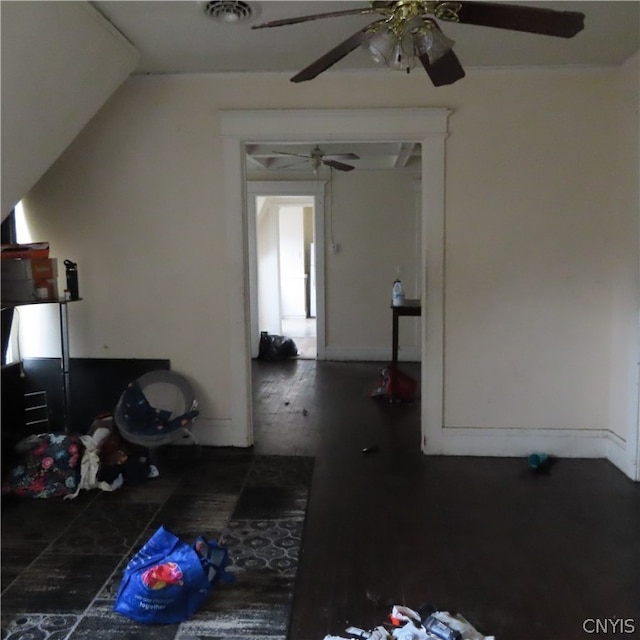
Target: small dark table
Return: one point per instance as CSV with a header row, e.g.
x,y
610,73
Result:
x,y
408,308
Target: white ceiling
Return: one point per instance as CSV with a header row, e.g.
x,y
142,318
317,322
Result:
x,y
179,37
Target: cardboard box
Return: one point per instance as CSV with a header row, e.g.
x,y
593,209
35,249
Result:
x,y
28,290
28,250
29,269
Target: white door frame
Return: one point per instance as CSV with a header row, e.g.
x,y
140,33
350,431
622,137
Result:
x,y
311,188
427,126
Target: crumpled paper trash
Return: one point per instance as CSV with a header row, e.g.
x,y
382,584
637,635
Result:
x,y
409,627
400,613
411,632
461,624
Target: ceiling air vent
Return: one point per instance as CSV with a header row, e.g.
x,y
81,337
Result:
x,y
228,11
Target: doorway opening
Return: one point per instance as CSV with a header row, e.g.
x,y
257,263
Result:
x,y
286,263
429,126
286,266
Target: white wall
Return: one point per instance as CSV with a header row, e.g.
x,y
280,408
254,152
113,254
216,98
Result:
x,y
291,250
60,63
135,202
625,291
268,269
377,227
528,303
533,191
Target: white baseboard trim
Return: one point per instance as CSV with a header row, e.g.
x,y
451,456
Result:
x,y
563,443
567,443
617,453
371,354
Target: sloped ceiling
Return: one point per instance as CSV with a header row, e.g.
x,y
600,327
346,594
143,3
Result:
x,y
62,60
60,63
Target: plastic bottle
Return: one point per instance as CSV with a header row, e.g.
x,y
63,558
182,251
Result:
x,y
397,292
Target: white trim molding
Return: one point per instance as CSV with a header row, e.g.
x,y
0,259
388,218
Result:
x,y
426,126
561,443
564,443
621,454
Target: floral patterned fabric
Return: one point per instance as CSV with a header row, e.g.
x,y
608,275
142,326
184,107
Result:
x,y
49,466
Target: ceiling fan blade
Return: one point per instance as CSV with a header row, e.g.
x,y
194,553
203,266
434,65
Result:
x,y
341,166
341,156
563,24
316,16
336,54
446,70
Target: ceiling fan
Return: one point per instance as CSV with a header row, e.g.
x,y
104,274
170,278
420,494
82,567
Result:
x,y
317,157
408,35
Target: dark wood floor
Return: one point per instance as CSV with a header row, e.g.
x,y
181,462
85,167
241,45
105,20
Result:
x,y
521,556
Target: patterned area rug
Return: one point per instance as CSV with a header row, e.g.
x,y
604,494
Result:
x,y
62,561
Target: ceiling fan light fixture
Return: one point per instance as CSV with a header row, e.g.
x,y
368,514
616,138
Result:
x,y
315,161
387,49
431,41
381,46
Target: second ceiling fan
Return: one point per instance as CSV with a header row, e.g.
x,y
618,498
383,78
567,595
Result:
x,y
408,35
318,157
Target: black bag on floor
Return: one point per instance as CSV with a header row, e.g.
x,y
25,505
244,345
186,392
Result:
x,y
274,347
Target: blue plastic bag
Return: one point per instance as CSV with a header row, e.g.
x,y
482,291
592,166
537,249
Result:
x,y
167,580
